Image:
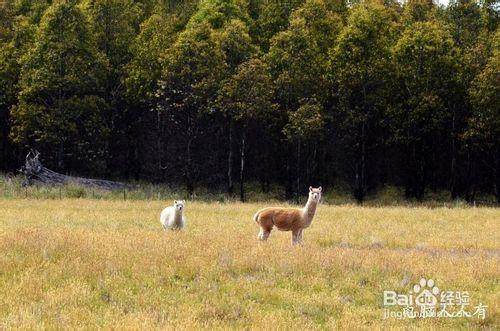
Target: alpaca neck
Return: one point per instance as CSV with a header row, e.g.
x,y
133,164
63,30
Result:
x,y
310,209
178,217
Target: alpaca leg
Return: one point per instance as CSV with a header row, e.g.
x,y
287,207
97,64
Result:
x,y
301,232
295,237
261,233
266,226
264,234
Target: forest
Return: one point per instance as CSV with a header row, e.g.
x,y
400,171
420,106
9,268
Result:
x,y
219,93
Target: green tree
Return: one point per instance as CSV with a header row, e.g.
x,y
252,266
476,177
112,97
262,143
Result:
x,y
9,72
271,18
247,97
305,125
419,11
490,15
469,35
229,34
143,72
465,16
484,125
219,12
6,21
235,41
59,105
361,71
8,77
298,56
114,26
426,66
298,61
18,23
191,76
323,19
32,10
236,44
156,35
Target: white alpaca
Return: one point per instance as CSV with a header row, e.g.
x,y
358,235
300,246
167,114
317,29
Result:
x,y
172,217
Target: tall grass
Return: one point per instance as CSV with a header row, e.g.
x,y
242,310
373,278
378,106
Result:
x,y
91,264
11,188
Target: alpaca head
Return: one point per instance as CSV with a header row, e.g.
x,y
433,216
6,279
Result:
x,y
315,193
179,205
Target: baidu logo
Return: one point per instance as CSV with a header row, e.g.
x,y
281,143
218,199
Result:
x,y
426,293
426,300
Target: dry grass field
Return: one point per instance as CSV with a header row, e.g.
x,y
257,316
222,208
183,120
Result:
x,y
78,263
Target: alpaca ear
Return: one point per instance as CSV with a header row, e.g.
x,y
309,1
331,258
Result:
x,y
175,202
310,188
320,188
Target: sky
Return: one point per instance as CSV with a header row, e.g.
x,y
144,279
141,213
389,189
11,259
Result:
x,y
443,2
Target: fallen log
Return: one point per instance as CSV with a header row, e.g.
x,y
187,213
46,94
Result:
x,y
36,173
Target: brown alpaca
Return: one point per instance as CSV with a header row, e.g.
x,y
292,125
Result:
x,y
288,219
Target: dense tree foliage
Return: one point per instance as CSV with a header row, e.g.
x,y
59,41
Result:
x,y
60,106
291,93
246,99
361,72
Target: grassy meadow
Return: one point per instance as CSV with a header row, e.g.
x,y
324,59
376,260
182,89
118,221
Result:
x,y
85,263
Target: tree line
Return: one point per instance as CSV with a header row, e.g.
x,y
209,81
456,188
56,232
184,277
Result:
x,y
217,93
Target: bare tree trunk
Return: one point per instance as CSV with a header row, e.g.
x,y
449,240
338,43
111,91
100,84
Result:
x,y
297,193
289,181
61,72
60,156
4,164
421,173
495,187
230,159
359,191
314,172
363,162
453,189
264,165
360,176
267,167
433,176
188,169
407,162
242,165
36,173
159,137
414,173
471,180
496,177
